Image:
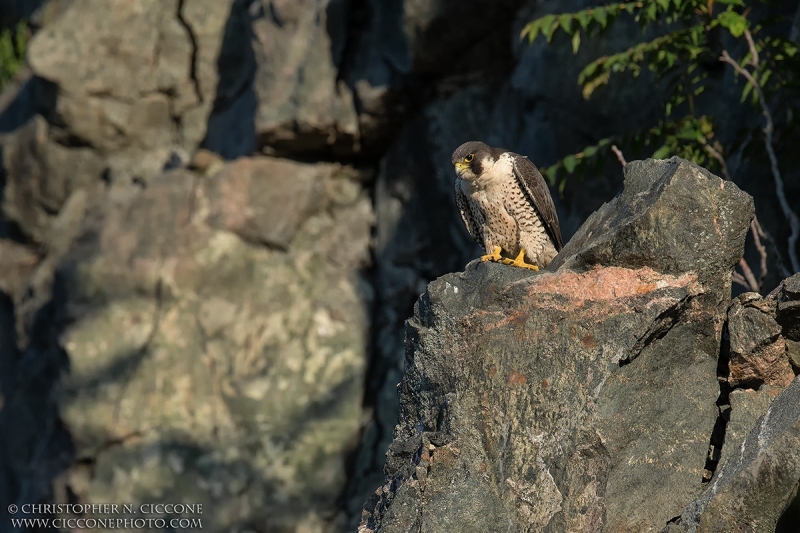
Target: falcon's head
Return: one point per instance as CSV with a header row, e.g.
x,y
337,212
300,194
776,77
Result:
x,y
472,158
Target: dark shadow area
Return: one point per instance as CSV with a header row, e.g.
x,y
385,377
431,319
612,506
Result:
x,y
8,364
789,522
35,445
231,130
395,69
408,254
14,11
723,403
4,229
32,95
118,370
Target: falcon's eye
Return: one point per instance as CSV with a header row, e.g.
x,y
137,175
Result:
x,y
469,158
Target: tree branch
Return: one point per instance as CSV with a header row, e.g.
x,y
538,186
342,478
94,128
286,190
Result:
x,y
755,228
752,45
713,152
737,278
773,249
752,284
791,216
619,155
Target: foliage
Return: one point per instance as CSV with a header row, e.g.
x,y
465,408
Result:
x,y
687,41
688,137
13,43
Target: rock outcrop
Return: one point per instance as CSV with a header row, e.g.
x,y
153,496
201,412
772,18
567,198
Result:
x,y
585,397
756,484
187,349
756,488
176,328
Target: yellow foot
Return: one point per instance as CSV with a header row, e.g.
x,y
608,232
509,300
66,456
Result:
x,y
520,262
494,256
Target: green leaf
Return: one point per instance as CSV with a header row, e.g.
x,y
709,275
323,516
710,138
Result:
x,y
583,19
664,4
551,173
765,78
706,128
651,11
576,42
588,71
746,91
589,87
549,24
570,162
531,30
544,24
732,2
13,43
589,151
733,22
601,16
662,152
565,21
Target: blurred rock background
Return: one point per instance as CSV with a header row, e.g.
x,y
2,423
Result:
x,y
215,217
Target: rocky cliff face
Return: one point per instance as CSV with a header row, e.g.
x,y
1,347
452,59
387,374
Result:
x,y
597,395
215,218
176,327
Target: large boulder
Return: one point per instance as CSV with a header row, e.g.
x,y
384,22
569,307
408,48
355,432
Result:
x,y
580,398
136,81
293,43
202,365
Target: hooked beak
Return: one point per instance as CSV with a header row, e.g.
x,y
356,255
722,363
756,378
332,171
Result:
x,y
460,167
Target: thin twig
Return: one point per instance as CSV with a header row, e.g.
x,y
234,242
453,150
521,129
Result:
x,y
755,228
713,152
619,155
748,275
791,216
776,253
753,53
738,278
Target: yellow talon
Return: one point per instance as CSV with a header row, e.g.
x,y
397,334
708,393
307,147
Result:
x,y
520,262
494,256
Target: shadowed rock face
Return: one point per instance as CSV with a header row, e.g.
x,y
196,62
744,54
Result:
x,y
756,485
756,489
581,398
204,368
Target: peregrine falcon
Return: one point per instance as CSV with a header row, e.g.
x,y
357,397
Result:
x,y
506,206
